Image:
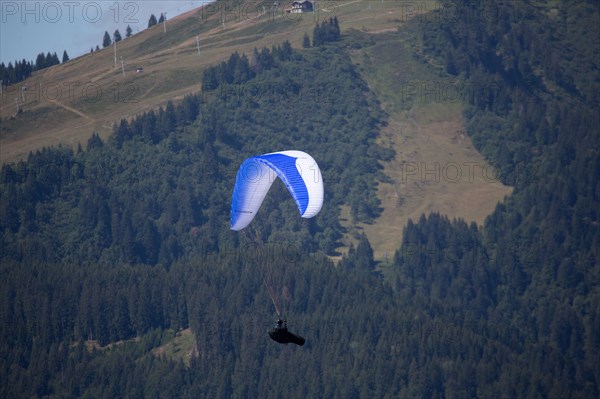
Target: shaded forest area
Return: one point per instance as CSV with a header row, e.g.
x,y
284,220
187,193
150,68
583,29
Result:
x,y
129,238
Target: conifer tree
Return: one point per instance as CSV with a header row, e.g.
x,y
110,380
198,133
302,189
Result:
x,y
54,59
336,28
364,254
106,40
94,142
152,21
306,41
40,61
317,35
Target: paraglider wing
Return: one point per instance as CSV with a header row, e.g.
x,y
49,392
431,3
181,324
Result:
x,y
298,171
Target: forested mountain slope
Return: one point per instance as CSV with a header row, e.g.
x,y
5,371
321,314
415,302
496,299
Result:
x,y
537,121
107,251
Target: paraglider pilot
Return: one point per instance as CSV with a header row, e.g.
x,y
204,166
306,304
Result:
x,y
280,334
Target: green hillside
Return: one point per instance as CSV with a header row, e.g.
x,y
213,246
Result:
x,y
120,277
65,103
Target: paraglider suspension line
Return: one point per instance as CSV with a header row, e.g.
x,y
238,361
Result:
x,y
270,290
252,235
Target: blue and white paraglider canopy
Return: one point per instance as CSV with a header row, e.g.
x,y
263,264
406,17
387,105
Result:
x,y
299,172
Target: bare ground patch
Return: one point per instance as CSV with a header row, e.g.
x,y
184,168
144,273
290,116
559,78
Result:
x,y
436,169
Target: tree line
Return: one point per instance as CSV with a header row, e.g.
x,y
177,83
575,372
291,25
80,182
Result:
x,y
21,70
